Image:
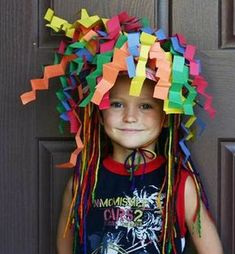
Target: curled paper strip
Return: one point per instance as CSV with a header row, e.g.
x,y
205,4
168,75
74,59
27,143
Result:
x,y
201,85
75,153
43,83
146,41
182,143
58,24
163,65
110,73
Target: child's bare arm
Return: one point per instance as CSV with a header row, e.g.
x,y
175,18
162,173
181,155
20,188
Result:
x,y
64,244
209,242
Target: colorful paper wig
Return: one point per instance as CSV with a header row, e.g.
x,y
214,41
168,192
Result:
x,y
88,61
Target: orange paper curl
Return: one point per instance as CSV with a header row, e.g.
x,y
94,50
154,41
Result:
x,y
50,71
75,153
110,73
163,71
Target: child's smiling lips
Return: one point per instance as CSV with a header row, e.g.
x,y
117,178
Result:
x,y
129,130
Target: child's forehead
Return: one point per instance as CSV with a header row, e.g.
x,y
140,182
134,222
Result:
x,y
122,87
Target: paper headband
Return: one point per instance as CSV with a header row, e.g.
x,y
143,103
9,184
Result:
x,y
96,49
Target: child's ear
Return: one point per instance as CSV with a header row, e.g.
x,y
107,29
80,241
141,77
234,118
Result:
x,y
165,120
101,120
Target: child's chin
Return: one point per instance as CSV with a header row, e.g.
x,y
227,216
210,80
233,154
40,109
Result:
x,y
133,146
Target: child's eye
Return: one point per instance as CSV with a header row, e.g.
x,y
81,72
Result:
x,y
116,104
146,106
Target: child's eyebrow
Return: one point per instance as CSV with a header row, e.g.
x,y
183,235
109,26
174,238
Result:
x,y
148,98
116,97
138,97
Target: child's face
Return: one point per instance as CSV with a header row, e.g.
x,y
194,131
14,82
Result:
x,y
133,122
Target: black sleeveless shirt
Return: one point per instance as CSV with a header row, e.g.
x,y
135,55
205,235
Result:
x,y
126,216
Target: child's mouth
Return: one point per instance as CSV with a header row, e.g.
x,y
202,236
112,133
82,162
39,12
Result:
x,y
130,130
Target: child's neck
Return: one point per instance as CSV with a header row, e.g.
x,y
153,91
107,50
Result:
x,y
122,156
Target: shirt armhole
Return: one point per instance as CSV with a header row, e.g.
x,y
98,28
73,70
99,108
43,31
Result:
x,y
180,204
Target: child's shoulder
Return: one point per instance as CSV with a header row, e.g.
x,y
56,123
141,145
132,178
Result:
x,y
185,186
67,198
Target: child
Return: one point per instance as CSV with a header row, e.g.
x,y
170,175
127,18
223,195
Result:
x,y
134,189
129,218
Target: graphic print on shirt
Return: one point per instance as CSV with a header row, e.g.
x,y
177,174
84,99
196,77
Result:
x,y
132,222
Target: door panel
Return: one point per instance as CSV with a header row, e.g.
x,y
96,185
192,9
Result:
x,y
211,25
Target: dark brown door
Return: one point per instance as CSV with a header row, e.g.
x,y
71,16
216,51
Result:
x,y
31,145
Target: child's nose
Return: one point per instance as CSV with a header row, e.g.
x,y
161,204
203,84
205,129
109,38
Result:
x,y
130,115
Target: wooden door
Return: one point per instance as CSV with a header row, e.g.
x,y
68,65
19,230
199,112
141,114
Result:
x,y
210,24
31,145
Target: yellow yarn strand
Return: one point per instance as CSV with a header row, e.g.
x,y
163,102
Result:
x,y
158,200
194,177
198,218
84,152
71,208
97,166
169,188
